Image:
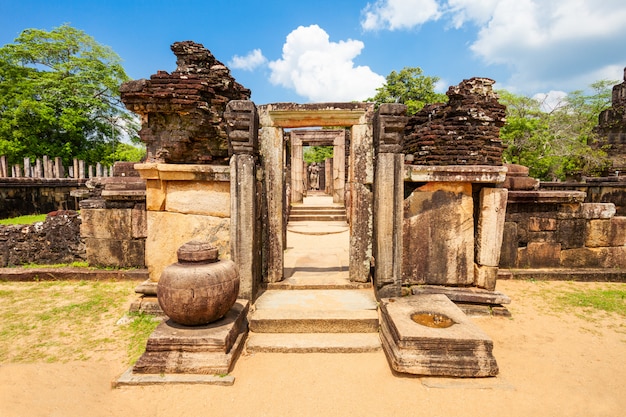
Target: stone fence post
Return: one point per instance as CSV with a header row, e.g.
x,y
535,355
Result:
x,y
389,123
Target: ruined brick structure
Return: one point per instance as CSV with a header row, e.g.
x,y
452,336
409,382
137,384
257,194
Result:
x,y
612,126
182,112
465,131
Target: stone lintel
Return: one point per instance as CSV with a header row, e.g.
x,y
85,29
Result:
x,y
183,172
455,173
289,115
546,197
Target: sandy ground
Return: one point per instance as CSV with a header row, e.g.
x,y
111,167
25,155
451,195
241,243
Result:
x,y
552,363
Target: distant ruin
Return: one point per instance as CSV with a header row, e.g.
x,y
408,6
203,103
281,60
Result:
x,y
611,127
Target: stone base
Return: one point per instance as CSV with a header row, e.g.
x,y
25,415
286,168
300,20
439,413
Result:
x,y
210,349
462,350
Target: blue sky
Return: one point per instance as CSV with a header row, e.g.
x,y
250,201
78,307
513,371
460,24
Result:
x,y
341,50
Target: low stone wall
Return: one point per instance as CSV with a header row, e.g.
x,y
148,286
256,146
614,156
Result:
x,y
562,234
56,240
20,196
598,190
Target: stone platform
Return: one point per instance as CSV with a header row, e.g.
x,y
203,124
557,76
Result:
x,y
210,349
461,350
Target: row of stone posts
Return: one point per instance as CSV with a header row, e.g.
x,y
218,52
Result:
x,y
47,167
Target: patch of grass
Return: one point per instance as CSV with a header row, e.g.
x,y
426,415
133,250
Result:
x,y
29,219
60,321
610,300
137,331
75,264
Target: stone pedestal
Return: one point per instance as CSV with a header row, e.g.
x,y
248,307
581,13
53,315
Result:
x,y
460,350
209,349
183,203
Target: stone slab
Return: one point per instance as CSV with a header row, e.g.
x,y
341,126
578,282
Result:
x,y
209,349
313,342
455,173
462,350
462,294
129,378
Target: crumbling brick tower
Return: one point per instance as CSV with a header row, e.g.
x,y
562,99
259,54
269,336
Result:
x,y
611,127
182,112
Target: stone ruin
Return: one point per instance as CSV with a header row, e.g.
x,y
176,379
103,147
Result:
x,y
181,112
612,127
464,131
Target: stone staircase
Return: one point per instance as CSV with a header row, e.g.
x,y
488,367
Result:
x,y
303,321
331,213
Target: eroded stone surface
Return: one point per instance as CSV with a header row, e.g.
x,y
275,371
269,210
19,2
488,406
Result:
x,y
462,350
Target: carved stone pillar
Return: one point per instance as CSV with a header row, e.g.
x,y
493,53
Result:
x,y
242,123
389,123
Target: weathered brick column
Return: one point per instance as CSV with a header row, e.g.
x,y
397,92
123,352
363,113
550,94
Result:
x,y
389,123
243,129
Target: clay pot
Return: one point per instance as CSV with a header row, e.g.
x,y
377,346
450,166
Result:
x,y
199,288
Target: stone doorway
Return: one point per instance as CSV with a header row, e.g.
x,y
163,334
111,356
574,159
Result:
x,y
356,192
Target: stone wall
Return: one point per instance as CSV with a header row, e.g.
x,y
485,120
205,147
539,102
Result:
x,y
182,112
56,240
21,196
597,190
465,131
558,229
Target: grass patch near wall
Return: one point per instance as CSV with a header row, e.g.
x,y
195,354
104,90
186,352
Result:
x,y
29,219
62,321
609,300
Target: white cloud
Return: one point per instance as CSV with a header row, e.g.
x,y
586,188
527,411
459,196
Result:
x,y
248,62
399,14
544,43
321,70
551,100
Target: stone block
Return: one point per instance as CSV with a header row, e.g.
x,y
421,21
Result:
x,y
604,257
195,197
490,225
571,233
113,252
540,255
460,350
485,276
168,231
540,224
438,235
606,232
510,243
106,224
597,210
155,195
139,223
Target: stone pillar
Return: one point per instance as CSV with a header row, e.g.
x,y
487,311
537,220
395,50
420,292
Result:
x,y
339,169
271,150
489,233
389,123
297,170
243,129
361,180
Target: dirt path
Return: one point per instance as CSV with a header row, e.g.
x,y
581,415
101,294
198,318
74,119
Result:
x,y
552,363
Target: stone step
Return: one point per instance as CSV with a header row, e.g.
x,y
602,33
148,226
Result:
x,y
318,218
310,211
315,311
313,342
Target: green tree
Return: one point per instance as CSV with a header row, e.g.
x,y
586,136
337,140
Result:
x,y
59,97
558,143
411,87
317,153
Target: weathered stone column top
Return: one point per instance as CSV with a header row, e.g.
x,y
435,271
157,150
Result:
x,y
455,173
183,172
291,115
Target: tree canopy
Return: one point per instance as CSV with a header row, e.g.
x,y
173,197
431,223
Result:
x,y
411,87
59,97
317,153
559,142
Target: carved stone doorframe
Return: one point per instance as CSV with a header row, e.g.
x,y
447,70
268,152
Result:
x,y
320,137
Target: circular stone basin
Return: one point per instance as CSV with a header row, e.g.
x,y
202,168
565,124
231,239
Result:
x,y
430,319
